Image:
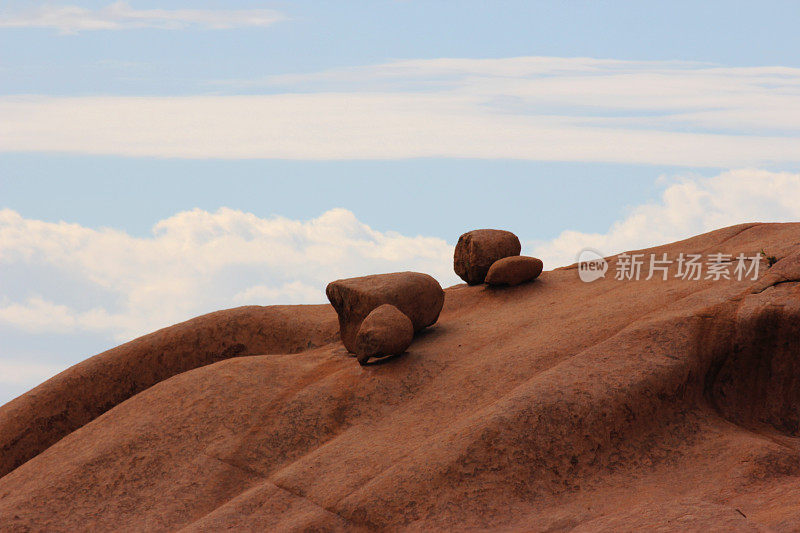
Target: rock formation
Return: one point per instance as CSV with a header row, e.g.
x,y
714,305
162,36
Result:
x,y
514,270
385,331
73,398
557,406
418,296
476,251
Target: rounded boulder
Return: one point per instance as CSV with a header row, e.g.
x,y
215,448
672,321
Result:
x,y
385,331
478,250
514,270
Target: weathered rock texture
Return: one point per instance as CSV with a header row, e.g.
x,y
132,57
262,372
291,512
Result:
x,y
418,296
558,406
38,419
514,270
759,381
477,250
385,331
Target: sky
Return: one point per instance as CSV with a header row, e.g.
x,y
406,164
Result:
x,y
163,160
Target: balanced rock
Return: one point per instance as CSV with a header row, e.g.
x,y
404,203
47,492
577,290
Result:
x,y
514,270
416,295
477,250
385,331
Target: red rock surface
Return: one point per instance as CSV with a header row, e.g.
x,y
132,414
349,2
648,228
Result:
x,y
550,406
31,423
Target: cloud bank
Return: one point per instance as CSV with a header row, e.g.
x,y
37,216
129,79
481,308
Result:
x,y
194,262
688,206
121,16
68,280
549,109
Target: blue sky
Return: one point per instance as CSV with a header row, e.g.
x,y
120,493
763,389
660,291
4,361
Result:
x,y
322,35
162,160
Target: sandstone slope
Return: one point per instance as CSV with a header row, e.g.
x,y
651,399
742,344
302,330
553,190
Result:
x,y
552,405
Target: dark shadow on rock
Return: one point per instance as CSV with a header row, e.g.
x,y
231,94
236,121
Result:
x,y
758,382
433,331
503,288
384,360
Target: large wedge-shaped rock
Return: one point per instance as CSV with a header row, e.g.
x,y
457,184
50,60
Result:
x,y
477,250
418,296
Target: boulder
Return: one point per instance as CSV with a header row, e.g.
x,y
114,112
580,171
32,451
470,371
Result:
x,y
477,250
417,295
385,331
514,270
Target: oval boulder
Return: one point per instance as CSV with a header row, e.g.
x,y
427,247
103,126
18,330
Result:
x,y
385,331
514,270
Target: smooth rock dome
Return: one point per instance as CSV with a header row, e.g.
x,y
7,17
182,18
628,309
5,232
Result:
x,y
661,405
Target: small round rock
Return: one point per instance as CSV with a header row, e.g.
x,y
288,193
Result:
x,y
385,331
514,270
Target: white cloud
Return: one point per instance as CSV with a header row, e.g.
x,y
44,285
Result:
x,y
554,109
20,375
16,373
295,292
37,314
198,261
121,16
195,262
688,206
